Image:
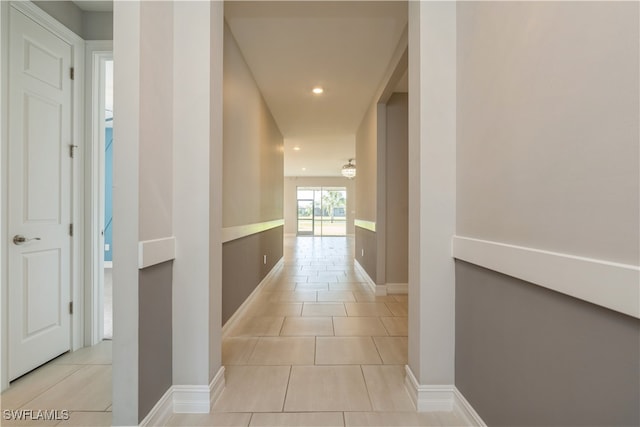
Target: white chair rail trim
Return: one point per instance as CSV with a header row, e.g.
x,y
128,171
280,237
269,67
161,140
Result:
x,y
608,284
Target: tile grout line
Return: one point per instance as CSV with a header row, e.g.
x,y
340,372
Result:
x,y
366,386
53,385
286,392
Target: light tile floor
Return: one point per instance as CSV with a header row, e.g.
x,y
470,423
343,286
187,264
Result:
x,y
78,382
315,348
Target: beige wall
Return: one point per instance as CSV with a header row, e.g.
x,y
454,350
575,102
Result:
x,y
253,180
548,126
548,158
253,157
397,189
156,121
290,198
366,161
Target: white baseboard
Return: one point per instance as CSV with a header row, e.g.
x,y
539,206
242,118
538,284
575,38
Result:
x,y
441,398
397,288
191,399
185,399
464,410
161,412
217,386
247,303
378,290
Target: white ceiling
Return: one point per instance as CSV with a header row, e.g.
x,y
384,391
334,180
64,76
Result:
x,y
345,47
95,5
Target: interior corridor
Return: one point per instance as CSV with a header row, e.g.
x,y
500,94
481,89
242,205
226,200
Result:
x,y
315,347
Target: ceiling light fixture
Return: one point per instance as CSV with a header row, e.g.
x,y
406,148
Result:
x,y
318,90
349,170
296,148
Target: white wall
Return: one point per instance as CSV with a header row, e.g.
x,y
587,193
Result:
x,y
432,160
125,211
290,198
191,134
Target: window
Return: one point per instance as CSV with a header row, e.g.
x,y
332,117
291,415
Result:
x,y
322,211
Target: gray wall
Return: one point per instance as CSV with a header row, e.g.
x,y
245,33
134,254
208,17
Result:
x,y
366,240
253,180
155,332
366,161
97,25
397,189
88,25
291,205
526,355
547,158
243,267
366,190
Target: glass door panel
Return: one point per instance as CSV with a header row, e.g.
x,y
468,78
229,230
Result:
x,y
334,211
305,217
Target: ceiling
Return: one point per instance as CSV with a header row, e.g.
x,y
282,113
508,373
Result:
x,y
291,47
95,5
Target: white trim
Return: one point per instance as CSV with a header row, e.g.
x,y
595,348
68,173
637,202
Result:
x,y
378,290
397,288
240,231
367,225
191,399
428,398
43,18
96,54
161,411
216,387
240,312
463,409
185,399
4,143
157,251
608,284
441,398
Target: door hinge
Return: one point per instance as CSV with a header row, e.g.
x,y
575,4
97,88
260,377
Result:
x,y
70,307
71,230
72,73
72,150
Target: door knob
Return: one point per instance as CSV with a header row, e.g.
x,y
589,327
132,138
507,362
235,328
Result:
x,y
19,239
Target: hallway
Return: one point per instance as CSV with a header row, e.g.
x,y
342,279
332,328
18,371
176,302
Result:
x,y
316,347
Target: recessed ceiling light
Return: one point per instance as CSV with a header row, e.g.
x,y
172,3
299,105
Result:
x,y
304,169
318,90
296,148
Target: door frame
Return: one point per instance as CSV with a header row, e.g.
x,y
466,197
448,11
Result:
x,y
77,174
96,54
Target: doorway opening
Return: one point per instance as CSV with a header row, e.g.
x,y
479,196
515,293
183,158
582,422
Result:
x,y
107,294
322,211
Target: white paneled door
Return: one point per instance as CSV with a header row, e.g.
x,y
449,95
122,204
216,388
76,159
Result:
x,y
39,195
